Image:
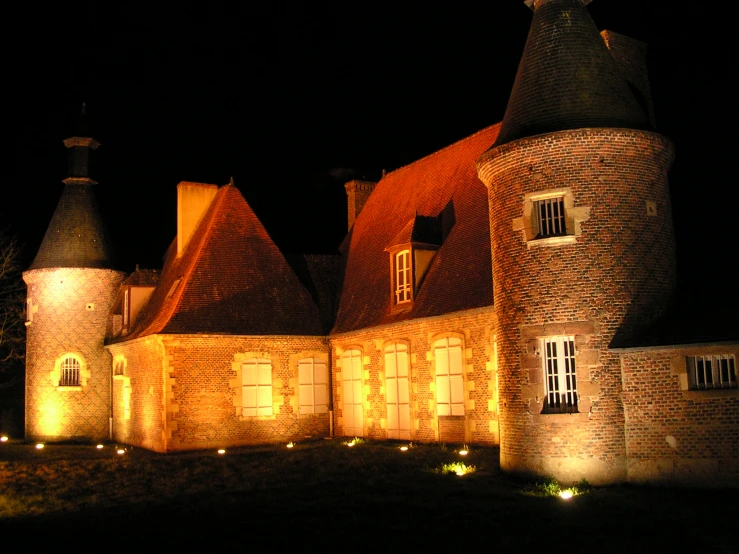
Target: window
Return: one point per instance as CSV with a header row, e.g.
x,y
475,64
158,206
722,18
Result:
x,y
313,386
449,377
397,391
256,387
550,217
125,308
712,372
402,277
119,367
352,392
559,375
70,372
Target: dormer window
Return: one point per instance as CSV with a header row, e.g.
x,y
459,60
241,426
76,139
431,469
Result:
x,y
403,277
126,308
411,253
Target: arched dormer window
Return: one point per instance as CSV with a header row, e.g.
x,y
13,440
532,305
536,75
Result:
x,y
411,254
402,277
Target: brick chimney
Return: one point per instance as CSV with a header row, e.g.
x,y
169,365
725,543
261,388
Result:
x,y
357,193
193,200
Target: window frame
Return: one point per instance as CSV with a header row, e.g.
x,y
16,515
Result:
x,y
560,375
260,385
76,371
449,379
403,277
550,224
311,389
693,364
397,373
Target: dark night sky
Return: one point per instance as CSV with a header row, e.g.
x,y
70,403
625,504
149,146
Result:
x,y
293,99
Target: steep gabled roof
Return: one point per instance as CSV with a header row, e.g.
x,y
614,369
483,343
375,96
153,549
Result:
x,y
230,279
460,277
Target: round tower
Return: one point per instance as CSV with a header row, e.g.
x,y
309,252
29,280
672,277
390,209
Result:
x,y
582,247
71,286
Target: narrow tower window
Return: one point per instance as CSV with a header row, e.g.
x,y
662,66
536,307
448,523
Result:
x,y
70,373
559,374
550,217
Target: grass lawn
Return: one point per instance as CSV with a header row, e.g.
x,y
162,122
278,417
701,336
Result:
x,y
327,495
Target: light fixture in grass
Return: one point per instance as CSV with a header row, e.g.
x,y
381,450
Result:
x,y
458,468
550,487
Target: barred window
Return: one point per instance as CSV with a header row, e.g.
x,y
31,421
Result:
x,y
550,217
712,372
559,375
70,373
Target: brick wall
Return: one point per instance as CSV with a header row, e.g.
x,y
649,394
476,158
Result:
x,y
613,278
141,365
186,391
69,312
674,434
480,423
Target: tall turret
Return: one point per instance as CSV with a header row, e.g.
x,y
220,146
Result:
x,y
582,246
71,285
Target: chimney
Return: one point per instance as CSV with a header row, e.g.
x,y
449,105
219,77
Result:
x,y
357,193
193,200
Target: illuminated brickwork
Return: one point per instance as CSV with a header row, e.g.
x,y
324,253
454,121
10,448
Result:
x,y
674,434
70,313
478,426
186,391
611,280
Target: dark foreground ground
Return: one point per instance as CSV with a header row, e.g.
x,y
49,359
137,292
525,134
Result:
x,y
326,496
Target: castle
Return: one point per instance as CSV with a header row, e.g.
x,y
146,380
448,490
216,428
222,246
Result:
x,y
501,291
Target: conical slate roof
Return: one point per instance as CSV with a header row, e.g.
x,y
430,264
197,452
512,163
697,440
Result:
x,y
76,236
567,78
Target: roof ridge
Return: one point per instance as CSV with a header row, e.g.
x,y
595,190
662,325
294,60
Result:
x,y
169,306
447,147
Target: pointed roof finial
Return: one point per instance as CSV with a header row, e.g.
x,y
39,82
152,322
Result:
x,y
231,182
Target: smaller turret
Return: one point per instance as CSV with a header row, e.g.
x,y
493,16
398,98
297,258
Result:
x,y
72,285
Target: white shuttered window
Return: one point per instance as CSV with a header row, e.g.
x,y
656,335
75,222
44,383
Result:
x,y
256,381
313,385
449,377
396,387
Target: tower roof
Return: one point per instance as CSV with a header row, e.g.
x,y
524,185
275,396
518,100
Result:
x,y
76,236
567,78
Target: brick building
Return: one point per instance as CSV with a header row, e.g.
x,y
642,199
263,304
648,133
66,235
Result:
x,y
511,289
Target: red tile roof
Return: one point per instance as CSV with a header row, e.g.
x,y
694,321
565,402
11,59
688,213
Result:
x,y
230,279
460,277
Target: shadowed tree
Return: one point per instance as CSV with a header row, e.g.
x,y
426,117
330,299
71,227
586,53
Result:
x,y
12,307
